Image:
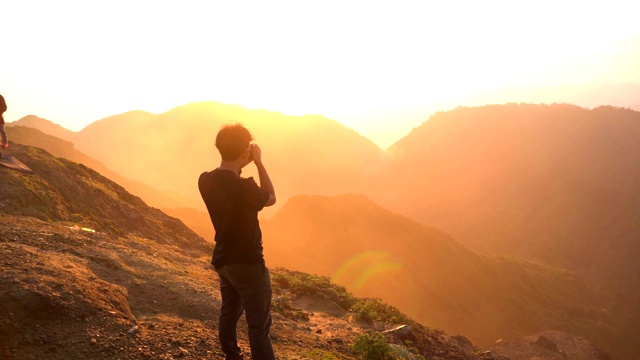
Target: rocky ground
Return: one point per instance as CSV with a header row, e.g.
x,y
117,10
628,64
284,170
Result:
x,y
551,345
68,293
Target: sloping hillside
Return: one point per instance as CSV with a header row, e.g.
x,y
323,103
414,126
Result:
x,y
72,193
67,150
549,345
434,279
28,135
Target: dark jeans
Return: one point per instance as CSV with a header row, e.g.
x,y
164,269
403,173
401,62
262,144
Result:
x,y
245,287
3,134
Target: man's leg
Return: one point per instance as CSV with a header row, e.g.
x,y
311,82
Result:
x,y
254,287
230,312
3,133
258,313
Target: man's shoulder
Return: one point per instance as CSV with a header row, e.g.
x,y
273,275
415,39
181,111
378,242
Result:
x,y
249,181
219,177
207,178
211,174
204,176
206,173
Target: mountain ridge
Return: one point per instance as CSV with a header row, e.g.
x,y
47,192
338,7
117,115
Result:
x,y
46,126
185,135
433,278
519,179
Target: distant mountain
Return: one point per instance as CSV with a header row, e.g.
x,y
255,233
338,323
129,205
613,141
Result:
x,y
45,126
304,154
115,137
66,149
554,183
436,280
196,220
58,147
625,95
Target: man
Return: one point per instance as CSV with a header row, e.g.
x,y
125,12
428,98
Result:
x,y
3,107
233,203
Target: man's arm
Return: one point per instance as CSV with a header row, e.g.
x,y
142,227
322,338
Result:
x,y
265,181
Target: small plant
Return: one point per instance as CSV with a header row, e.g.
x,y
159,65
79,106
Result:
x,y
365,310
404,352
281,304
300,283
370,310
373,346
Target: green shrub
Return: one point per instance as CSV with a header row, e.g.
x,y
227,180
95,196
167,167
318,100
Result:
x,y
373,346
281,304
405,353
300,283
370,310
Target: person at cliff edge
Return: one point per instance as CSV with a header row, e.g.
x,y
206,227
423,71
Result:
x,y
3,107
233,203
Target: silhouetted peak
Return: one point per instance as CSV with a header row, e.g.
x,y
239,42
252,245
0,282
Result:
x,y
46,126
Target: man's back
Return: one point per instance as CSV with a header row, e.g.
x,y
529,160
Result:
x,y
233,204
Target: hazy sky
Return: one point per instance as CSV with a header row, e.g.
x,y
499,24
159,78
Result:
x,y
374,66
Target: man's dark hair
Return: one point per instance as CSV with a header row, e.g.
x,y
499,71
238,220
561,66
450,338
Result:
x,y
232,140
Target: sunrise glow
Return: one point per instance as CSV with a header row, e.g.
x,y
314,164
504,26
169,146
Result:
x,y
379,69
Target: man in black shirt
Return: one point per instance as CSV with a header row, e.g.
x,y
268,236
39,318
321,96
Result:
x,y
233,203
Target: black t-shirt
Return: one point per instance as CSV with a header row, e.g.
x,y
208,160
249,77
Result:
x,y
233,204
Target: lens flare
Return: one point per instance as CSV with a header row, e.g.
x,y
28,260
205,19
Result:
x,y
361,269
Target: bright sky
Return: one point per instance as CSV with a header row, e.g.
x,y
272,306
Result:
x,y
375,66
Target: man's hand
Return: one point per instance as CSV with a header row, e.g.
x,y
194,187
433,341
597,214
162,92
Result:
x,y
265,181
256,153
